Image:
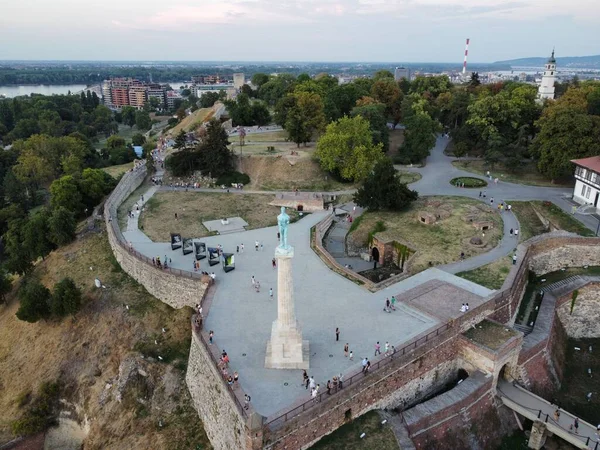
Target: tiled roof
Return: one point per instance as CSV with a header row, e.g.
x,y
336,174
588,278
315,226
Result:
x,y
592,163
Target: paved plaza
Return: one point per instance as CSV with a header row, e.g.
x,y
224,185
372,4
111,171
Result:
x,y
241,318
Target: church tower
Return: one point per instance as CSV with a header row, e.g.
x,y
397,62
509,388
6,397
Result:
x,y
546,89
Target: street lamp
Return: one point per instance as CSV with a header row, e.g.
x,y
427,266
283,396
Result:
x,y
589,210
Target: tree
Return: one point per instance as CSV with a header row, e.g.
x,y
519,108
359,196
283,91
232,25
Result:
x,y
34,305
215,156
94,184
387,92
61,226
142,120
305,118
375,114
347,149
258,79
128,115
18,260
474,81
383,75
138,139
115,141
66,298
276,88
419,135
383,189
65,192
260,113
180,140
247,90
208,99
566,132
5,285
36,235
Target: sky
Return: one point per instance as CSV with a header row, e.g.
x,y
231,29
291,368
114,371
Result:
x,y
297,30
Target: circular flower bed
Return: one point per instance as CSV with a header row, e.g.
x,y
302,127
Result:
x,y
468,182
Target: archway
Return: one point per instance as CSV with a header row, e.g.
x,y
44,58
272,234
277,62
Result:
x,y
503,374
375,254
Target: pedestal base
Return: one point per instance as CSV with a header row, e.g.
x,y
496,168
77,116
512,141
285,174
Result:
x,y
286,349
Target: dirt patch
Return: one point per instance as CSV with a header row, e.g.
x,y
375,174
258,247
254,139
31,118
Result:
x,y
284,173
583,323
193,208
490,334
439,243
85,351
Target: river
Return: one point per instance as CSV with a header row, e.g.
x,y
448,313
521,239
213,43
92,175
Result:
x,y
46,89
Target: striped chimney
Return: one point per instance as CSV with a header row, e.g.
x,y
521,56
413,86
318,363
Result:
x,y
465,61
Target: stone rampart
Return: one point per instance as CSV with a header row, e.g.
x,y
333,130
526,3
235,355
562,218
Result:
x,y
176,288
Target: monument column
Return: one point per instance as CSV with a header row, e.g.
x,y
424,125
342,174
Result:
x,y
286,349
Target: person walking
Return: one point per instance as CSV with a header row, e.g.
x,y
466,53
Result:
x,y
387,348
364,364
346,350
514,258
271,293
274,263
253,280
516,232
242,248
368,367
237,249
393,303
337,334
351,356
377,348
307,381
256,245
304,378
511,231
210,337
341,381
328,387
311,383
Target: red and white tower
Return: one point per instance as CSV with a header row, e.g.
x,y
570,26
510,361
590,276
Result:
x,y
464,72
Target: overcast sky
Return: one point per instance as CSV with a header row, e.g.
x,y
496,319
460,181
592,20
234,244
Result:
x,y
297,30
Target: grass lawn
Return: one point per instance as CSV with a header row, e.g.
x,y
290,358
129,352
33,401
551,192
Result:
x,y
531,225
409,177
527,175
268,136
492,275
192,208
438,243
347,437
117,171
490,334
191,122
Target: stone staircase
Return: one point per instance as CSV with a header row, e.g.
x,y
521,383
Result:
x,y
525,329
566,285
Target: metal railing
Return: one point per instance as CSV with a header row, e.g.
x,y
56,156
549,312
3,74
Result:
x,y
224,383
383,362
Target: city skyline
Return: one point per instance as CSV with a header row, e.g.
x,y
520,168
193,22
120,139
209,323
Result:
x,y
299,30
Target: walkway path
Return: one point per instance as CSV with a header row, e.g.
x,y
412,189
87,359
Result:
x,y
534,408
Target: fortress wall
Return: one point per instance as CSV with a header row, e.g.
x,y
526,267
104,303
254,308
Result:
x,y
174,287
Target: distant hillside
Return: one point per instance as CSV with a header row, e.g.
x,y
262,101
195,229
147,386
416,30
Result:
x,y
581,62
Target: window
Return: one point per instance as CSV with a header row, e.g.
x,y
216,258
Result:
x,y
583,190
551,73
587,195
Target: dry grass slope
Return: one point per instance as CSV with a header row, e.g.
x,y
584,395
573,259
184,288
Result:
x,y
85,351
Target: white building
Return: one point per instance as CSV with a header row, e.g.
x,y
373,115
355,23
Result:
x,y
546,89
587,184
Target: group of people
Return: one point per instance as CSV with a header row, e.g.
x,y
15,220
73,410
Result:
x,y
161,264
390,305
464,307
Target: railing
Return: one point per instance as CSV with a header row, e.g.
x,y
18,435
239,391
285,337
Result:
x,y
224,383
383,362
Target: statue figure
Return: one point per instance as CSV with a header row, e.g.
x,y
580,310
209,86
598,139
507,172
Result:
x,y
283,220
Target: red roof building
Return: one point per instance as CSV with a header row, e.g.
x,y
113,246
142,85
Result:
x,y
587,181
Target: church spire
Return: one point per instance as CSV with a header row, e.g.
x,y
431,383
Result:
x,y
552,60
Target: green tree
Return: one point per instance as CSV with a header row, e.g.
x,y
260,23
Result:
x,y
566,132
115,141
419,137
180,140
34,305
305,118
18,260
208,99
347,149
215,156
138,139
258,79
474,81
142,120
260,113
61,226
383,75
66,298
387,92
375,114
5,285
240,110
128,115
94,184
36,235
383,189
276,88
65,192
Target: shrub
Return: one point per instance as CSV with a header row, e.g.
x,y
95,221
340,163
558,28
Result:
x,y
66,298
34,302
41,412
233,177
